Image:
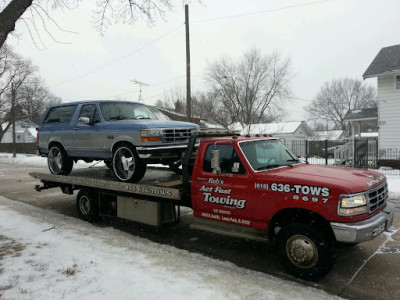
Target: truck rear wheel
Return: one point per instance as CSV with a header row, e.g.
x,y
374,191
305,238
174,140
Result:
x,y
58,161
87,205
127,165
304,251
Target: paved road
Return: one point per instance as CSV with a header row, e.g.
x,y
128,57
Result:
x,y
369,270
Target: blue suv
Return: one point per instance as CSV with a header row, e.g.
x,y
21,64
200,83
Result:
x,y
126,135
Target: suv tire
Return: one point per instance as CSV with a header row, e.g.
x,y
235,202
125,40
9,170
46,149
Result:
x,y
58,161
127,165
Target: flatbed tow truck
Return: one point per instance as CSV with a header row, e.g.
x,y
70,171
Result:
x,y
247,187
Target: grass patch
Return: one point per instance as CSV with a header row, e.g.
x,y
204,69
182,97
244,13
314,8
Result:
x,y
70,271
9,247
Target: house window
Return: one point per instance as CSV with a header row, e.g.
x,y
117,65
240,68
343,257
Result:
x,y
398,82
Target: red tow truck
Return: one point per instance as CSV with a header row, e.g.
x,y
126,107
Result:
x,y
248,187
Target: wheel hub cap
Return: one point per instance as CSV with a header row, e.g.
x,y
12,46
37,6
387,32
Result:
x,y
302,251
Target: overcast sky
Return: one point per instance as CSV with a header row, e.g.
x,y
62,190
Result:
x,y
325,40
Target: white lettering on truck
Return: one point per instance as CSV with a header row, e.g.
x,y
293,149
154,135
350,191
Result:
x,y
303,192
225,201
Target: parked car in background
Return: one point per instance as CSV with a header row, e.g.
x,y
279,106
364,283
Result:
x,y
126,135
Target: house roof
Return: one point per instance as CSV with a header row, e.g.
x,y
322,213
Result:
x,y
272,128
331,135
364,114
386,62
23,123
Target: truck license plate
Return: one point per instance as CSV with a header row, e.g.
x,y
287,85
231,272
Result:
x,y
378,230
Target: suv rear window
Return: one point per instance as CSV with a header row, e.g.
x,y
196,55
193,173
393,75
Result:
x,y
61,114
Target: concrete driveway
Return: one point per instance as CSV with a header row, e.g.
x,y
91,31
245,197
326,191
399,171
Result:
x,y
369,270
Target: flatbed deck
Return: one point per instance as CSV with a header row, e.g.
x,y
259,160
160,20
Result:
x,y
158,182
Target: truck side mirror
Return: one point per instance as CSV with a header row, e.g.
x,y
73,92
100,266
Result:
x,y
84,120
215,166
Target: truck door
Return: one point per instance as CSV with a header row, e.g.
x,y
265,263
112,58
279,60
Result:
x,y
87,140
225,197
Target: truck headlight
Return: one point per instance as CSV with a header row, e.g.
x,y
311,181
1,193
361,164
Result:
x,y
352,205
150,135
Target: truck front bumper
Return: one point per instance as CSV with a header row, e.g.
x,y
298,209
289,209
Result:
x,y
364,230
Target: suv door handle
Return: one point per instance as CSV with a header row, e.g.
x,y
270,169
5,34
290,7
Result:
x,y
76,128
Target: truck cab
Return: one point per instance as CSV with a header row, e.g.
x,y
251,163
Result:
x,y
259,184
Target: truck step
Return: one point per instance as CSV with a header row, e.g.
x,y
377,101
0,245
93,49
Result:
x,y
229,230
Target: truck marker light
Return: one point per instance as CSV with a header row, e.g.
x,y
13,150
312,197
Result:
x,y
150,138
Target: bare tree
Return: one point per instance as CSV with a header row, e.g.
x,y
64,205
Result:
x,y
14,71
337,97
36,13
10,15
246,90
174,98
33,98
129,11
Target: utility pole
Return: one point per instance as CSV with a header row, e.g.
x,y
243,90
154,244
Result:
x,y
188,88
140,87
13,118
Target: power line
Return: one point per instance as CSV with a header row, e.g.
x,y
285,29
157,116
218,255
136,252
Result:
x,y
261,12
117,60
178,27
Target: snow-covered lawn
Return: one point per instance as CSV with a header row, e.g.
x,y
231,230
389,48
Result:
x,y
44,255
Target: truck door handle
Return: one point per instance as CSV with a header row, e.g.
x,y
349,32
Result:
x,y
76,128
200,179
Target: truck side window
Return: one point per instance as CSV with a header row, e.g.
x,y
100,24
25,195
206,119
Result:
x,y
90,111
62,114
229,160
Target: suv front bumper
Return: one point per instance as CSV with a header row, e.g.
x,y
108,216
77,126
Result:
x,y
364,230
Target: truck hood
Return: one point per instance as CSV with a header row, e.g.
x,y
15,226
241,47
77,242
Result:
x,y
348,179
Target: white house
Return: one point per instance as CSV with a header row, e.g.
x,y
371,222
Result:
x,y
386,67
293,134
25,132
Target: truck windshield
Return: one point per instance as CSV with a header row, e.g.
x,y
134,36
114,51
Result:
x,y
125,111
267,154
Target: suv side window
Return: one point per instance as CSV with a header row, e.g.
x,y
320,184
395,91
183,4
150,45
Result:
x,y
61,114
229,160
90,111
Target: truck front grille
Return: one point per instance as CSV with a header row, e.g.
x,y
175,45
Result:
x,y
176,135
377,197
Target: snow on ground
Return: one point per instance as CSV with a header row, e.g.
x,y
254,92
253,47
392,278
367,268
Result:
x,y
44,255
38,161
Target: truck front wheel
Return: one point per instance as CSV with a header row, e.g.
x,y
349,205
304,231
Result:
x,y
127,165
87,205
304,251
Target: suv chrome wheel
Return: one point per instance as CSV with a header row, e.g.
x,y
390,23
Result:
x,y
127,165
58,161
